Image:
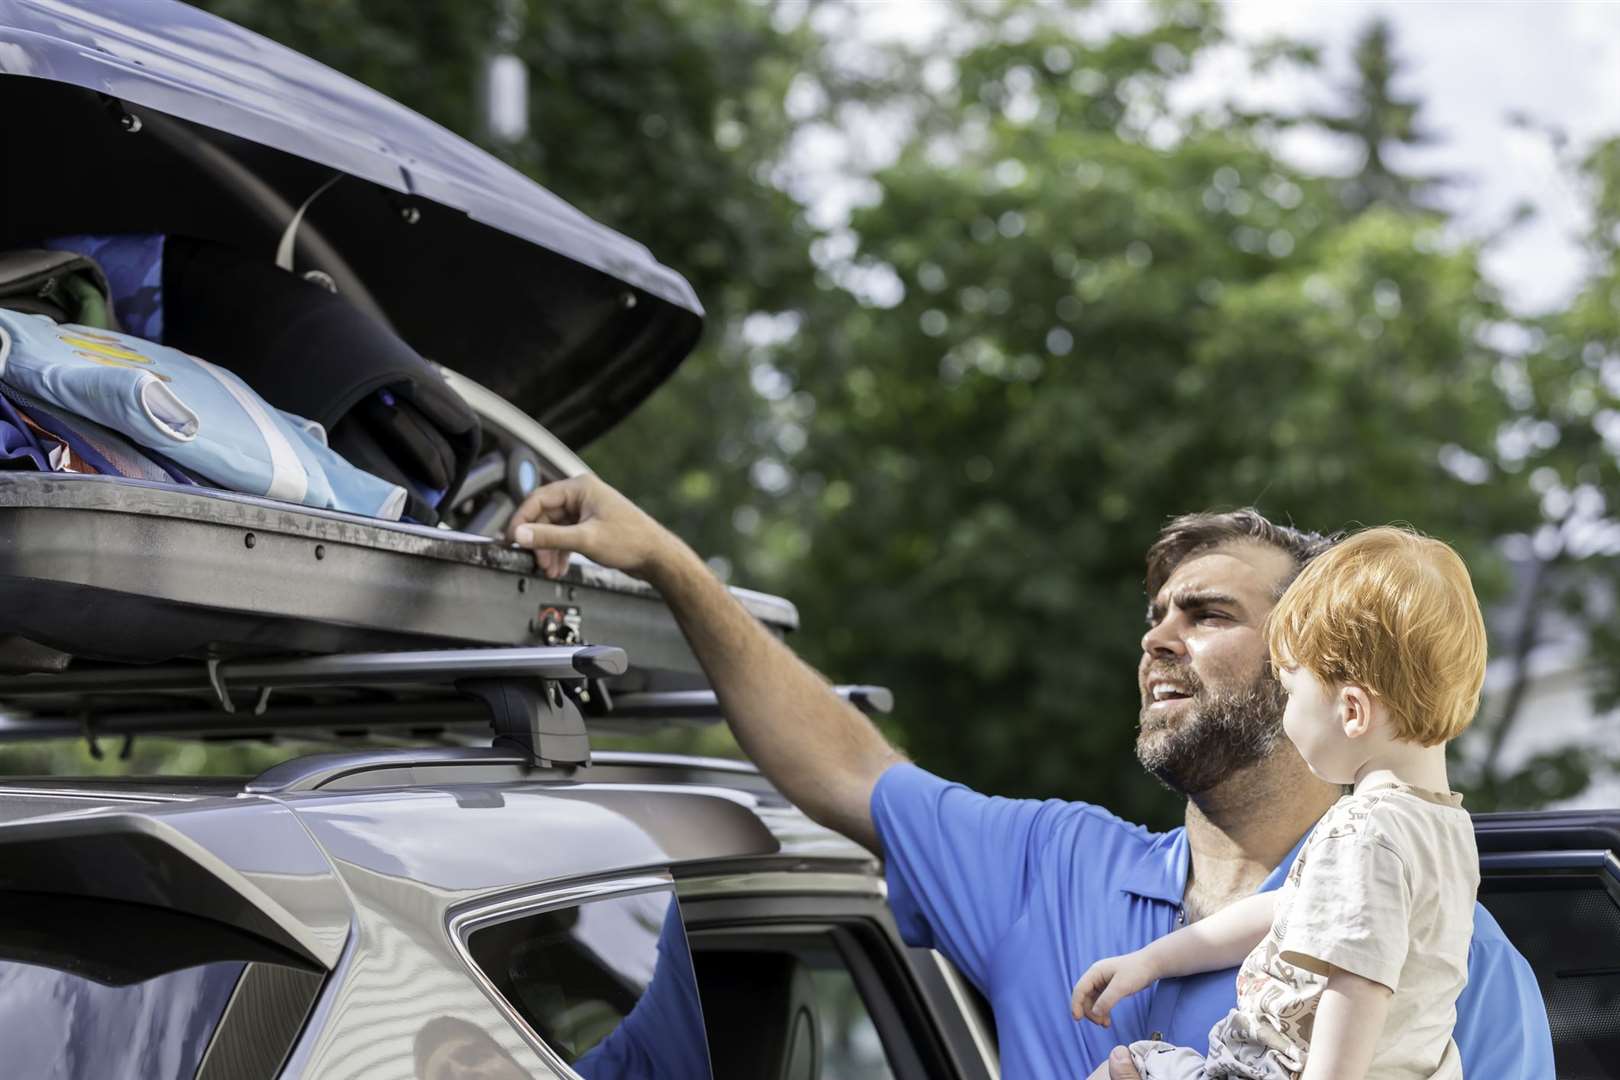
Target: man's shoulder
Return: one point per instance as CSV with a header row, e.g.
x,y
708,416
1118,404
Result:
x,y
906,789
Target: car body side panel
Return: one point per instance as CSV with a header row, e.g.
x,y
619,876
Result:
x,y
247,860
402,983
409,857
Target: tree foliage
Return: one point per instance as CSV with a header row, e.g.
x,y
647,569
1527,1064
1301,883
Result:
x,y
1110,316
1065,312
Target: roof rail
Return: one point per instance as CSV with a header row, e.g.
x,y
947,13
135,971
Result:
x,y
320,770
463,764
483,765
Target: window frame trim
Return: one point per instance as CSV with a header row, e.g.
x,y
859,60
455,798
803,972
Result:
x,y
465,920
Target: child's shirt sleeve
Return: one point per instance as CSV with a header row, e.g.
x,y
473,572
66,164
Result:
x,y
1352,910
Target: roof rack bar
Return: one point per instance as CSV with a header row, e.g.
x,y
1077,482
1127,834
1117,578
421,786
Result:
x,y
429,667
280,720
521,688
704,705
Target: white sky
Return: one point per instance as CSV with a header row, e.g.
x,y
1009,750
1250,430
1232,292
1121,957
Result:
x,y
1473,63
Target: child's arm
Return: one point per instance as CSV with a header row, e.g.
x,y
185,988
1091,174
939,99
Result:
x,y
1349,1017
1220,941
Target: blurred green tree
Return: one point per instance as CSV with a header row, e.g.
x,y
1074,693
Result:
x,y
1067,311
1561,380
1105,313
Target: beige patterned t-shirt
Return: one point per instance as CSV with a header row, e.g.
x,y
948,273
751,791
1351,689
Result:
x,y
1384,888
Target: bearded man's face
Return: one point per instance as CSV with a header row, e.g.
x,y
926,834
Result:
x,y
1211,704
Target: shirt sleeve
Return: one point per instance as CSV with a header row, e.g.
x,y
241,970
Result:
x,y
959,865
1352,910
1502,1027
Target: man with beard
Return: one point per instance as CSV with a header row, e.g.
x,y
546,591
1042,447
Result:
x,y
1023,895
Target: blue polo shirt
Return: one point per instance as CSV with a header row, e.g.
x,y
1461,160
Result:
x,y
1022,896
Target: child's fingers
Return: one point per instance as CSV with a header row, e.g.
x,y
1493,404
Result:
x,y
1085,994
1080,1000
1106,1000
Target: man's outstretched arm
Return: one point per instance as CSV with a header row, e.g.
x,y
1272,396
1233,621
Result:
x,y
822,753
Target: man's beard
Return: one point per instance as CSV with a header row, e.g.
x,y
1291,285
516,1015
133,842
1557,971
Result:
x,y
1227,730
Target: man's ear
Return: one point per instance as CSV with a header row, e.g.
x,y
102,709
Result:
x,y
1355,711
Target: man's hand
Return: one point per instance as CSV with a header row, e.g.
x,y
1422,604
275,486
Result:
x,y
819,751
584,514
1120,1065
1108,980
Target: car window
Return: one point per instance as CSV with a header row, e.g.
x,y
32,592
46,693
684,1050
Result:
x,y
93,988
800,1003
606,985
1568,928
56,1025
850,1045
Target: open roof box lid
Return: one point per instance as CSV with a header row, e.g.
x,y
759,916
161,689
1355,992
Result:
x,y
149,116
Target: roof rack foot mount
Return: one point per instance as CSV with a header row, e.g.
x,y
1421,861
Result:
x,y
534,717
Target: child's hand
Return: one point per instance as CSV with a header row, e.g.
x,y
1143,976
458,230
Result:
x,y
1108,980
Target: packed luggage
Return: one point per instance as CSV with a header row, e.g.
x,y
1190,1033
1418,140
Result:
x,y
290,361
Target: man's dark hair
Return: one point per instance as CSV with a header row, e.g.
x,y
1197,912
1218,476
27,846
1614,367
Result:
x,y
1190,534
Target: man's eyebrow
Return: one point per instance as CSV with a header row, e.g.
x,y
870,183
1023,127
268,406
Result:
x,y
1194,600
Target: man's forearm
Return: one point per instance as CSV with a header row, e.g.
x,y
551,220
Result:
x,y
822,753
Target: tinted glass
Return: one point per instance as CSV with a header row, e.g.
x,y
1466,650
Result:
x,y
55,1025
1569,930
851,1048
607,985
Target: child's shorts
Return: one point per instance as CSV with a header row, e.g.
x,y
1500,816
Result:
x,y
1162,1061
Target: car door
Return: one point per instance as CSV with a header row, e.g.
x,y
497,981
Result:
x,y
803,976
1552,880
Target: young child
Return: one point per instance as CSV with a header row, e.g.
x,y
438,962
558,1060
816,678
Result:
x,y
1352,968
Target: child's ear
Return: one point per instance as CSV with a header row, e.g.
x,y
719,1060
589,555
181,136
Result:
x,y
1355,711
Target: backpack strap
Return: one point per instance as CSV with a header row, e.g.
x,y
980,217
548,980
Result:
x,y
61,285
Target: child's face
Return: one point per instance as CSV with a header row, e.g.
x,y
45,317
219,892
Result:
x,y
1314,723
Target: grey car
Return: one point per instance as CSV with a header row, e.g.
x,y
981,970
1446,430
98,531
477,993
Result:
x,y
465,889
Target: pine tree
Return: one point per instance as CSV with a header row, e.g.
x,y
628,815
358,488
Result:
x,y
1382,122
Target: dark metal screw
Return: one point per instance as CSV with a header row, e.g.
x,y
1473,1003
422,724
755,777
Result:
x,y
523,584
250,539
410,215
320,551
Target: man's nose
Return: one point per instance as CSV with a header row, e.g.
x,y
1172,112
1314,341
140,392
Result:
x,y
1163,639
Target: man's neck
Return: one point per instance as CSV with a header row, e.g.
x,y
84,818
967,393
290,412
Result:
x,y
1240,830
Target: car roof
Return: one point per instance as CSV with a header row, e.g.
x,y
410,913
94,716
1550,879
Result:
x,y
709,792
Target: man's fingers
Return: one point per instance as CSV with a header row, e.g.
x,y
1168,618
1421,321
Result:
x,y
546,537
1120,1065
557,502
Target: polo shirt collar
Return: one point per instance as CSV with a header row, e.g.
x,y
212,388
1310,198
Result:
x,y
1160,873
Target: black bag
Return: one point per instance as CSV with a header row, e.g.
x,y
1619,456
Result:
x,y
66,287
311,352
